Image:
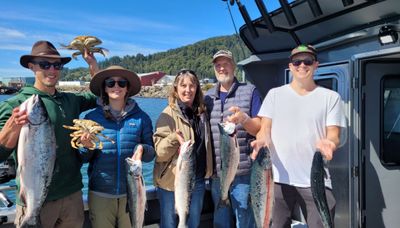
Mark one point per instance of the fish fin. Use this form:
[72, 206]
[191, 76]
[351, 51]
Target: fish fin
[22, 196]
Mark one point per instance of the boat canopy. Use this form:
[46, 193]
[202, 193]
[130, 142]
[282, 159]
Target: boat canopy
[315, 22]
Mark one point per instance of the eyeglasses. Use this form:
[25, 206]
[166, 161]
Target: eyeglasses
[185, 71]
[307, 62]
[45, 65]
[111, 83]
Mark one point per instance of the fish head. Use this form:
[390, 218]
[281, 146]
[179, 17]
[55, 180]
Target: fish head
[134, 167]
[35, 109]
[227, 128]
[185, 151]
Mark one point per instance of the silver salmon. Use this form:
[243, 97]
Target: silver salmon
[318, 189]
[136, 192]
[262, 188]
[36, 157]
[184, 181]
[230, 155]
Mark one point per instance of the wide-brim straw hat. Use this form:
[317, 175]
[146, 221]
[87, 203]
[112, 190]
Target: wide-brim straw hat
[96, 84]
[43, 49]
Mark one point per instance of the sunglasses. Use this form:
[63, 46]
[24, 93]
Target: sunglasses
[185, 71]
[45, 65]
[307, 62]
[111, 83]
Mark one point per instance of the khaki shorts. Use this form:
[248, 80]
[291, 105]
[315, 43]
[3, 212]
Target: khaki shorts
[66, 212]
[108, 212]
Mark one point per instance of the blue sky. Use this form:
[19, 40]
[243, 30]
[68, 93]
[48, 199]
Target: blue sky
[125, 27]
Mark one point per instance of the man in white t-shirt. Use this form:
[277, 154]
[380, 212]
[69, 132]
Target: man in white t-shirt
[297, 120]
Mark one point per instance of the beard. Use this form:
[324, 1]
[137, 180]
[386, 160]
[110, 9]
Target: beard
[225, 79]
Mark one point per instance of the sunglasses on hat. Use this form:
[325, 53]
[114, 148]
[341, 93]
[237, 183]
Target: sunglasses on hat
[45, 65]
[307, 62]
[111, 83]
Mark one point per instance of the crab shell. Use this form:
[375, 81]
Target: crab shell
[82, 126]
[81, 42]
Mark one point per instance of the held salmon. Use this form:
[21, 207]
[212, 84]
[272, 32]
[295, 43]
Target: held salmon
[136, 192]
[184, 181]
[262, 188]
[36, 157]
[230, 155]
[318, 189]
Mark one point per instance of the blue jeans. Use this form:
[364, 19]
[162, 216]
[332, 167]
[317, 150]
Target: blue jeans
[168, 216]
[240, 210]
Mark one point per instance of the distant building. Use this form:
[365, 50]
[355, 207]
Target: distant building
[17, 82]
[166, 80]
[71, 83]
[149, 79]
[207, 81]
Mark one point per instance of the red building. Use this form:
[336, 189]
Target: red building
[149, 79]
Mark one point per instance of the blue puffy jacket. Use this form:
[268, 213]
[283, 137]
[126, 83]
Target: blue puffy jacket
[106, 169]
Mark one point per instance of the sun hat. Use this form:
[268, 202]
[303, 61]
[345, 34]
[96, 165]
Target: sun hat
[43, 49]
[303, 48]
[96, 84]
[223, 53]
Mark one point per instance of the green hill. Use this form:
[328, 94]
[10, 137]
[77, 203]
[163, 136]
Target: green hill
[196, 57]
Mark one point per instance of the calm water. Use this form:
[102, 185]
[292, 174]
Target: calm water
[153, 107]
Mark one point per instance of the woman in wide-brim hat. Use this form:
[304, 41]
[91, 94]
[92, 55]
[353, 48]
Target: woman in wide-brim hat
[131, 130]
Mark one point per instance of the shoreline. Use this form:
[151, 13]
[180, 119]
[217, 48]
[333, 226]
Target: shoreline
[145, 91]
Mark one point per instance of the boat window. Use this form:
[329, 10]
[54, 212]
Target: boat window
[329, 83]
[390, 109]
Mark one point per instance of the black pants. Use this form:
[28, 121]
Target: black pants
[286, 198]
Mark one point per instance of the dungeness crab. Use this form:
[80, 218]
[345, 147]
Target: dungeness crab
[86, 126]
[81, 42]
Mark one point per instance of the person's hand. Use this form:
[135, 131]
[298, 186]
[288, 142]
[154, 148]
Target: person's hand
[238, 117]
[89, 57]
[9, 134]
[91, 60]
[19, 117]
[179, 136]
[326, 147]
[137, 155]
[257, 145]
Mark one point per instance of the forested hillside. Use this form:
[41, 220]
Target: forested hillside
[196, 57]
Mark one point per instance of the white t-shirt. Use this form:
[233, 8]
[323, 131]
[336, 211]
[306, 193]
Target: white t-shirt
[298, 122]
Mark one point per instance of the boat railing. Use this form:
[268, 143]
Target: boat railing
[152, 213]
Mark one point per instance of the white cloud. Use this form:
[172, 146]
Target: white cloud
[7, 33]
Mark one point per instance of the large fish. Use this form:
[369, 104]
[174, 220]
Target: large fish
[262, 188]
[36, 158]
[230, 156]
[136, 192]
[184, 181]
[318, 189]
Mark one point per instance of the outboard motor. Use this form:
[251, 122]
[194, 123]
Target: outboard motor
[7, 170]
[5, 200]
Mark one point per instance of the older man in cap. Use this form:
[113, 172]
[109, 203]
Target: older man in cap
[237, 102]
[63, 206]
[298, 119]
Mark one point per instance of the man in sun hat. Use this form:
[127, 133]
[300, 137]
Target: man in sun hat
[237, 102]
[298, 119]
[63, 206]
[131, 130]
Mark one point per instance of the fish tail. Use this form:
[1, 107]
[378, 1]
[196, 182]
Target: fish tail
[36, 223]
[224, 203]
